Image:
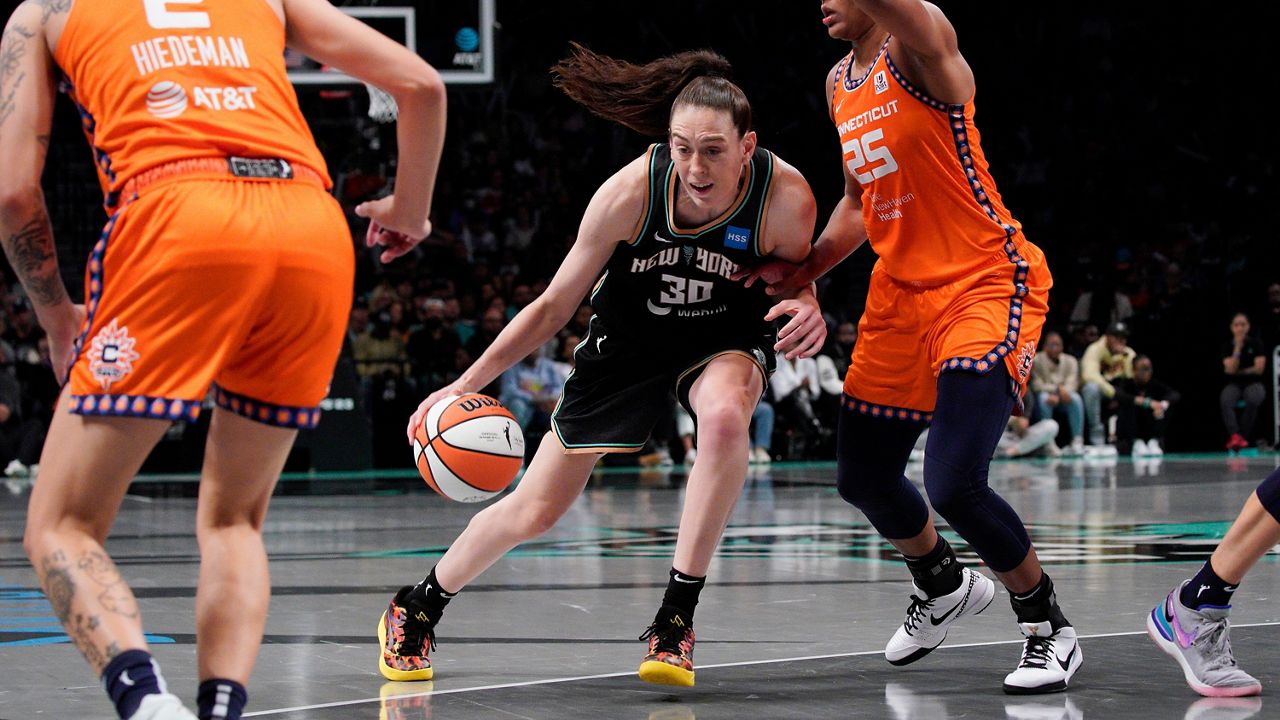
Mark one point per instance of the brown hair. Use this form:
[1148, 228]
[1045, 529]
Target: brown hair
[643, 97]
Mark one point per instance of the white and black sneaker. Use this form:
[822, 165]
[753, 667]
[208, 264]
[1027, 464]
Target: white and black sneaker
[1049, 659]
[928, 618]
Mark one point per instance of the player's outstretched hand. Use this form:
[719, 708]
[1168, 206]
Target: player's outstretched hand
[415, 421]
[396, 235]
[778, 275]
[62, 341]
[805, 333]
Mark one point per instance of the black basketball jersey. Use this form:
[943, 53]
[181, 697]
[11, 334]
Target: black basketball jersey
[676, 283]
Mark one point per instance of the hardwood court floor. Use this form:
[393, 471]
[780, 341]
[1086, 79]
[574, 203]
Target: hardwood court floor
[801, 599]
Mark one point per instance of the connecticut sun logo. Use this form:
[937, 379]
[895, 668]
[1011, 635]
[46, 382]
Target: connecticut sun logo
[111, 356]
[1026, 356]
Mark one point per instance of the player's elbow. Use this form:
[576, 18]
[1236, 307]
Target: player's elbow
[18, 200]
[421, 82]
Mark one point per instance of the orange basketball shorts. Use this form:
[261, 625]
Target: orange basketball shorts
[908, 335]
[241, 284]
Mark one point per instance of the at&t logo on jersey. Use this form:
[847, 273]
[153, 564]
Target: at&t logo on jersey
[166, 99]
[111, 355]
[737, 238]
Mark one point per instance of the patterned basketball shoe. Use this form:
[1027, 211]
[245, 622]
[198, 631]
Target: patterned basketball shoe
[928, 618]
[1200, 640]
[670, 658]
[405, 639]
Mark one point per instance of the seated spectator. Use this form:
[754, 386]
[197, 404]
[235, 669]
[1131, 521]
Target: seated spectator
[432, 347]
[762, 433]
[1104, 361]
[833, 363]
[796, 390]
[1055, 380]
[453, 320]
[491, 323]
[840, 348]
[1104, 305]
[1022, 437]
[566, 346]
[531, 389]
[1270, 322]
[1081, 338]
[377, 351]
[1243, 363]
[1144, 409]
[20, 437]
[24, 333]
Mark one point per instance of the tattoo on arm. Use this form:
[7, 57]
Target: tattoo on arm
[33, 256]
[49, 8]
[13, 45]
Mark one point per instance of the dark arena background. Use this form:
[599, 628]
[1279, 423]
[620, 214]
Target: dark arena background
[1129, 138]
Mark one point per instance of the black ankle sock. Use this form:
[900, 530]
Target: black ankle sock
[219, 699]
[1039, 604]
[938, 572]
[682, 593]
[129, 677]
[1206, 589]
[430, 597]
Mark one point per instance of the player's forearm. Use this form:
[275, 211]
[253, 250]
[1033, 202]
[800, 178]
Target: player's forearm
[420, 133]
[529, 329]
[843, 234]
[27, 237]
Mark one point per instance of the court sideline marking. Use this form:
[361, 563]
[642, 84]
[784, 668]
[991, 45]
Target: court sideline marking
[744, 663]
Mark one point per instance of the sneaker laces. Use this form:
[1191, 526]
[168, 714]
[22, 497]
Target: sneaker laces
[1217, 646]
[671, 638]
[423, 638]
[1036, 653]
[916, 612]
[418, 634]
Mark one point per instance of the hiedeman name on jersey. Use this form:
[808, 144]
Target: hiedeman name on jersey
[705, 260]
[194, 50]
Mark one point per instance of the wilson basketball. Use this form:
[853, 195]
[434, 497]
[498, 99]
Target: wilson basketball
[469, 447]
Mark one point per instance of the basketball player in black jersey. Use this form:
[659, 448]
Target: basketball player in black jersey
[656, 250]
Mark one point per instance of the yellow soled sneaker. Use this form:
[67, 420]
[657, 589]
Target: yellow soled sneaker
[670, 658]
[405, 639]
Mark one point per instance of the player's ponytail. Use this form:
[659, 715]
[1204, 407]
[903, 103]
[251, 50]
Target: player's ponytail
[642, 97]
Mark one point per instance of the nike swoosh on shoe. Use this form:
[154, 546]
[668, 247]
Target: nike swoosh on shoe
[963, 601]
[1066, 664]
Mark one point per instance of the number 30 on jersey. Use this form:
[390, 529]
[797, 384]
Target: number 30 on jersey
[866, 152]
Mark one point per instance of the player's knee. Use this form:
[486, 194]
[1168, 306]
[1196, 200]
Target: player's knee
[865, 486]
[534, 519]
[1269, 494]
[722, 420]
[212, 520]
[33, 543]
[948, 490]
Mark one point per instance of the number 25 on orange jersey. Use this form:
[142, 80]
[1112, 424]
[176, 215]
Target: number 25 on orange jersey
[864, 153]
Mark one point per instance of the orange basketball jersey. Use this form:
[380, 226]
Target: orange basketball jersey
[163, 80]
[930, 205]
